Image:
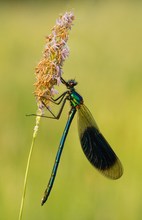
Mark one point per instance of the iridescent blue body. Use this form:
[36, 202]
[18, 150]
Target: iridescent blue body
[75, 99]
[94, 145]
[57, 159]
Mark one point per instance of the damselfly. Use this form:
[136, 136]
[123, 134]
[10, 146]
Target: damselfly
[93, 143]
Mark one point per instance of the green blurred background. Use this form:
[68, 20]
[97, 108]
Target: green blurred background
[106, 59]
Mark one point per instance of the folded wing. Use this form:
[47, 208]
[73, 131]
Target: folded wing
[95, 147]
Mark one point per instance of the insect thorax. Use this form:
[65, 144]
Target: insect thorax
[76, 99]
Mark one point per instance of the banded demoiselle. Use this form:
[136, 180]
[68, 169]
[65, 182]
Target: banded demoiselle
[94, 145]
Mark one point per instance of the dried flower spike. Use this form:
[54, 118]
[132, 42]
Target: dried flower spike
[49, 70]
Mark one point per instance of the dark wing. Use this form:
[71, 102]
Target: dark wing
[95, 146]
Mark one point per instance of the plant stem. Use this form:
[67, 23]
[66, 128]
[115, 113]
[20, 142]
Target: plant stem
[28, 164]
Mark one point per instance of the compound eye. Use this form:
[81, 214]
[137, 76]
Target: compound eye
[72, 83]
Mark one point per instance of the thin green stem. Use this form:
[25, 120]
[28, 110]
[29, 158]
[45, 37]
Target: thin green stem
[25, 180]
[28, 164]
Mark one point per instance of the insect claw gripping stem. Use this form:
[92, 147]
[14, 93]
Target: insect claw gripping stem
[60, 111]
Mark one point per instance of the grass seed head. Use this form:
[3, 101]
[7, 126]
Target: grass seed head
[49, 70]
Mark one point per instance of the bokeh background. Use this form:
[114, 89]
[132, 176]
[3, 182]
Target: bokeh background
[106, 59]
